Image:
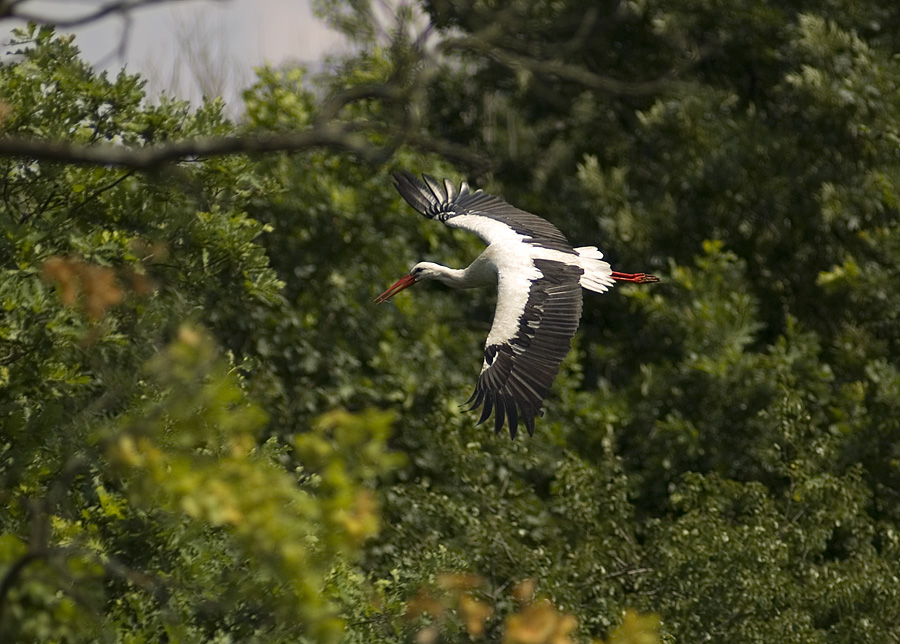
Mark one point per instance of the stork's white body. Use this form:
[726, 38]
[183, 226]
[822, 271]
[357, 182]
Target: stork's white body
[539, 277]
[512, 262]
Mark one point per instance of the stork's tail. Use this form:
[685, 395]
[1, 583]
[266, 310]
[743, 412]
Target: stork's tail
[597, 273]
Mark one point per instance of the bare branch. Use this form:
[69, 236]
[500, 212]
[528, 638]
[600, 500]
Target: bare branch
[150, 158]
[451, 151]
[12, 575]
[572, 73]
[387, 91]
[15, 9]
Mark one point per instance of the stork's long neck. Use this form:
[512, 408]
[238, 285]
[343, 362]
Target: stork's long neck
[481, 272]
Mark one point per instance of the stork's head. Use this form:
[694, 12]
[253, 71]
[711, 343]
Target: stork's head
[418, 273]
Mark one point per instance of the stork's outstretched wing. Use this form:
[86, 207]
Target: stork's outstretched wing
[487, 216]
[522, 357]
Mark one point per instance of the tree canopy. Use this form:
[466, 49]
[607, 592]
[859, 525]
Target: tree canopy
[208, 432]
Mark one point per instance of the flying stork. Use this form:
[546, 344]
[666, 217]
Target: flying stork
[539, 278]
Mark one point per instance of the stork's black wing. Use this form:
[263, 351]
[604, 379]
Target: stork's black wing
[446, 203]
[519, 371]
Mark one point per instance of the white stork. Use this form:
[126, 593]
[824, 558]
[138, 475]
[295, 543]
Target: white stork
[539, 278]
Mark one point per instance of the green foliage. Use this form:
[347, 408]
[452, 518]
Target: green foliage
[745, 399]
[191, 367]
[140, 502]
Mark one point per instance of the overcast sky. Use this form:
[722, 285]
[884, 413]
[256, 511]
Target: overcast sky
[244, 34]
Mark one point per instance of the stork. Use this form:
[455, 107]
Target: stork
[539, 277]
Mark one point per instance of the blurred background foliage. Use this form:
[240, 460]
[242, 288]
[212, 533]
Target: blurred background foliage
[209, 434]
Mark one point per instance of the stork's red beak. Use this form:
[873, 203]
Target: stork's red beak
[402, 284]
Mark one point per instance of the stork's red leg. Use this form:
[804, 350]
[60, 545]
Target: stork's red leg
[636, 278]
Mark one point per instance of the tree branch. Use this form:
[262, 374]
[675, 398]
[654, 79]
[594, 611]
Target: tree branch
[11, 9]
[9, 579]
[150, 158]
[564, 71]
[388, 91]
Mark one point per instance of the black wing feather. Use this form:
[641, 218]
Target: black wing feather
[499, 410]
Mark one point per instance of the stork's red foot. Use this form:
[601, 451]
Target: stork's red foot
[634, 278]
